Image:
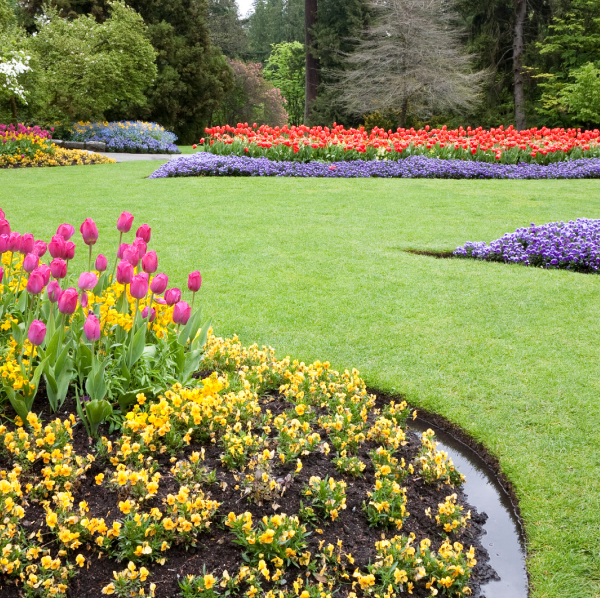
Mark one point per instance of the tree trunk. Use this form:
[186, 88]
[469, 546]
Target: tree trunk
[312, 64]
[403, 112]
[13, 105]
[518, 51]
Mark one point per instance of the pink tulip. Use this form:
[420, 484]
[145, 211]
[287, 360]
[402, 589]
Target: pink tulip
[87, 281]
[101, 263]
[140, 246]
[27, 242]
[182, 312]
[159, 284]
[35, 283]
[124, 222]
[66, 231]
[2, 214]
[83, 299]
[56, 247]
[4, 227]
[131, 255]
[1, 273]
[152, 314]
[40, 248]
[37, 333]
[144, 233]
[58, 268]
[194, 281]
[54, 291]
[67, 302]
[172, 296]
[69, 250]
[91, 328]
[89, 231]
[124, 272]
[150, 262]
[121, 250]
[45, 272]
[160, 301]
[14, 242]
[139, 286]
[31, 262]
[3, 243]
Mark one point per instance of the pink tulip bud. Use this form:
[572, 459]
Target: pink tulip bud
[56, 247]
[152, 314]
[124, 272]
[40, 248]
[131, 255]
[83, 299]
[69, 250]
[87, 281]
[27, 242]
[35, 283]
[144, 233]
[58, 268]
[14, 242]
[194, 281]
[31, 262]
[45, 272]
[160, 301]
[159, 284]
[89, 231]
[37, 333]
[150, 262]
[140, 246]
[54, 291]
[3, 243]
[124, 222]
[182, 312]
[101, 263]
[4, 227]
[67, 302]
[66, 231]
[139, 286]
[172, 296]
[91, 328]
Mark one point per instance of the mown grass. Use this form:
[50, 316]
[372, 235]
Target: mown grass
[318, 269]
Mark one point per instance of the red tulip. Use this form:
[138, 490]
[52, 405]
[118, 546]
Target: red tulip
[144, 233]
[69, 250]
[4, 227]
[101, 263]
[56, 247]
[67, 302]
[152, 314]
[58, 268]
[89, 231]
[87, 281]
[54, 291]
[66, 231]
[91, 328]
[139, 286]
[124, 222]
[194, 281]
[131, 254]
[181, 312]
[40, 248]
[150, 262]
[31, 262]
[159, 284]
[35, 283]
[37, 332]
[27, 242]
[124, 272]
[172, 296]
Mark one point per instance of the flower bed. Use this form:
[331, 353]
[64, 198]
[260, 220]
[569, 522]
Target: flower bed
[206, 164]
[506, 146]
[574, 245]
[222, 469]
[128, 136]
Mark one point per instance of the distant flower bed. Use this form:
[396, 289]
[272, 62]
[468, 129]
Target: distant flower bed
[206, 164]
[574, 245]
[500, 145]
[128, 136]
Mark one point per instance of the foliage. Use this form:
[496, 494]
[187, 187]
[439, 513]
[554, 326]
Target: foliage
[226, 28]
[87, 69]
[285, 70]
[252, 99]
[326, 496]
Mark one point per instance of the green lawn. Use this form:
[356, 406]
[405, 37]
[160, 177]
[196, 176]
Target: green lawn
[317, 269]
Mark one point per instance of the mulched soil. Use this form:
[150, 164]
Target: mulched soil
[438, 254]
[216, 550]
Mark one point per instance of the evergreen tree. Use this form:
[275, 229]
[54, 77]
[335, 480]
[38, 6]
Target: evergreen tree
[226, 28]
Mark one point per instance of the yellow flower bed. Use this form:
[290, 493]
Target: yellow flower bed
[59, 157]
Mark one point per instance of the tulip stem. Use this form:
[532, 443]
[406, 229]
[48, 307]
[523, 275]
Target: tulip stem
[150, 310]
[193, 299]
[116, 259]
[19, 283]
[90, 260]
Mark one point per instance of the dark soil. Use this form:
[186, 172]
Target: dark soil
[216, 550]
[438, 254]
